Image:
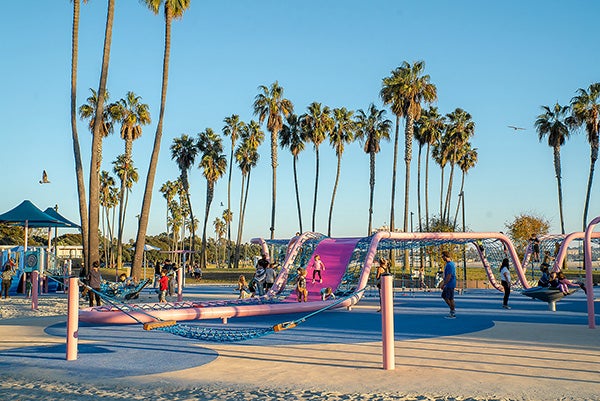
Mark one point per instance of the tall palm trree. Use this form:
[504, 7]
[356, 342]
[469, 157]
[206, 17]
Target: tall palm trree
[292, 137]
[316, 124]
[552, 122]
[405, 91]
[270, 105]
[371, 128]
[585, 109]
[173, 9]
[232, 128]
[341, 133]
[83, 211]
[184, 151]
[214, 166]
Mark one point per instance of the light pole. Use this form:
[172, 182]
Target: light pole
[411, 248]
[462, 199]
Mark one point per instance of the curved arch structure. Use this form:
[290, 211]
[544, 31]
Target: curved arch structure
[589, 281]
[338, 253]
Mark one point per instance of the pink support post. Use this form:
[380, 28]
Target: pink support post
[72, 319]
[35, 284]
[589, 270]
[387, 322]
[179, 284]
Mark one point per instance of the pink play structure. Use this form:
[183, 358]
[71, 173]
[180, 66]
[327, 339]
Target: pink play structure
[335, 254]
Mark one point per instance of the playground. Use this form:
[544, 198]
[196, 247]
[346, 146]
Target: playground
[487, 353]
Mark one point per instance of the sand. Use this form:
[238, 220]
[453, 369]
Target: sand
[508, 361]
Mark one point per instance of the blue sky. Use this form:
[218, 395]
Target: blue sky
[500, 61]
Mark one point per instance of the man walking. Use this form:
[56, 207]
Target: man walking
[449, 283]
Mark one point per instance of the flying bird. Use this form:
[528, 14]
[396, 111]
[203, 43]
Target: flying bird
[516, 128]
[44, 179]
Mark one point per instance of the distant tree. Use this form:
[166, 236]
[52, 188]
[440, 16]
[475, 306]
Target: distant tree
[552, 122]
[523, 226]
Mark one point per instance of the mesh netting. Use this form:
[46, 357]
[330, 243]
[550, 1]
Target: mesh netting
[219, 335]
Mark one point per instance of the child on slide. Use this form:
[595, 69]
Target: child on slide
[318, 266]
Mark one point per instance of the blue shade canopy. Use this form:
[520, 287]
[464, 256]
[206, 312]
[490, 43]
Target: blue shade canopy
[66, 223]
[28, 213]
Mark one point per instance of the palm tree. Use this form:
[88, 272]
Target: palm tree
[371, 128]
[440, 155]
[132, 114]
[405, 90]
[184, 151]
[552, 123]
[228, 218]
[247, 157]
[97, 135]
[467, 161]
[292, 137]
[174, 9]
[341, 133]
[316, 124]
[214, 165]
[108, 199]
[220, 230]
[459, 129]
[169, 190]
[586, 111]
[87, 111]
[83, 214]
[428, 130]
[232, 128]
[128, 175]
[270, 104]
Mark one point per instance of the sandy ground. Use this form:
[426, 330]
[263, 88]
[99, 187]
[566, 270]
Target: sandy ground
[508, 361]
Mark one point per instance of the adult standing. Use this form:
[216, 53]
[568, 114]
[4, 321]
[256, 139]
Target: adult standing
[505, 280]
[270, 275]
[95, 281]
[449, 283]
[7, 277]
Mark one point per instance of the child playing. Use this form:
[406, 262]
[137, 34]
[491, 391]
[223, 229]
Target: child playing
[242, 287]
[301, 285]
[28, 286]
[163, 286]
[564, 283]
[318, 266]
[327, 293]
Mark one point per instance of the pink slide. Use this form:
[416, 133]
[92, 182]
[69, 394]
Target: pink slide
[335, 254]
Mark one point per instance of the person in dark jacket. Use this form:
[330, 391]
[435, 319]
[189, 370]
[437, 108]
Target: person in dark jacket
[95, 281]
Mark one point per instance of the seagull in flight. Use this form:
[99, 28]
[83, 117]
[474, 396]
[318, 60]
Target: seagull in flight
[516, 128]
[44, 179]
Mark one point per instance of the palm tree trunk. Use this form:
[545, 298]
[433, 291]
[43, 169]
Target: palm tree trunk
[314, 211]
[442, 194]
[371, 190]
[210, 188]
[94, 206]
[238, 242]
[229, 206]
[449, 194]
[83, 216]
[145, 213]
[407, 159]
[427, 189]
[297, 194]
[419, 187]
[593, 158]
[460, 199]
[243, 214]
[274, 192]
[394, 170]
[557, 169]
[121, 221]
[337, 179]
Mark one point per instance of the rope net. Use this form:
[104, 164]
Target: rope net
[218, 335]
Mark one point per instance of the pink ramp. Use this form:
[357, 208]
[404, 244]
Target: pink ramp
[335, 254]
